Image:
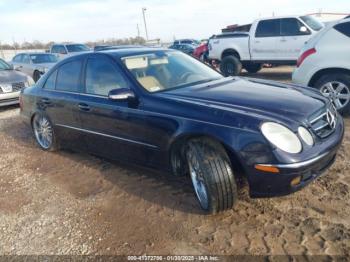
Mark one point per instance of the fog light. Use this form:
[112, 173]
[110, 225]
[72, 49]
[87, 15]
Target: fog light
[296, 181]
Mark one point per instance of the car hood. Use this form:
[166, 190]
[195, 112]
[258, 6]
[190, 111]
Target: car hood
[252, 95]
[12, 76]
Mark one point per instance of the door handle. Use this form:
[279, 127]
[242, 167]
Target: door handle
[283, 40]
[45, 101]
[84, 107]
[257, 41]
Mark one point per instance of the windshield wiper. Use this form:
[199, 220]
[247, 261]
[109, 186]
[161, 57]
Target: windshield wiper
[197, 82]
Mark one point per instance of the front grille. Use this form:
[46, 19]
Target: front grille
[17, 86]
[324, 123]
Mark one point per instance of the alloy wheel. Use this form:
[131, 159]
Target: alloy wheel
[198, 182]
[338, 92]
[43, 131]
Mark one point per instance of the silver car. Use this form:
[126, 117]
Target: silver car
[11, 84]
[34, 64]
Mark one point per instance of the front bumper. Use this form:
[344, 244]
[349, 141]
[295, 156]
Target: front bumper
[7, 99]
[263, 184]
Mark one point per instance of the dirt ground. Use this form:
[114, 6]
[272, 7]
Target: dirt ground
[73, 203]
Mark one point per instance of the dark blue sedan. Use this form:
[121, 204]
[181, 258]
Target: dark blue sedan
[163, 109]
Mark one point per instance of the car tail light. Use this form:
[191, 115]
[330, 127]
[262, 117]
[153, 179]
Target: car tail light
[305, 55]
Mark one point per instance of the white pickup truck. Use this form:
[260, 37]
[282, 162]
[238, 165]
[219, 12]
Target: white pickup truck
[276, 40]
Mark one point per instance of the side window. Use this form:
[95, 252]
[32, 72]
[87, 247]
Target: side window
[51, 81]
[102, 77]
[268, 28]
[292, 27]
[61, 49]
[68, 76]
[343, 28]
[26, 59]
[18, 58]
[54, 49]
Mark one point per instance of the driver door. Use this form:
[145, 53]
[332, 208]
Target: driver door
[115, 129]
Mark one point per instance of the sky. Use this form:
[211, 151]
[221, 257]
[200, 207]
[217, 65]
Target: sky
[90, 20]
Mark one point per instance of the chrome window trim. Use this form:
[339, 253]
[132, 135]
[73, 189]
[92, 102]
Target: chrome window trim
[106, 135]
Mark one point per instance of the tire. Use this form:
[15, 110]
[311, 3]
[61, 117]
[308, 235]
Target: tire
[212, 176]
[230, 66]
[253, 68]
[337, 87]
[46, 138]
[36, 76]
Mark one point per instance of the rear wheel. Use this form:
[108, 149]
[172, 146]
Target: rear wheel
[44, 133]
[252, 68]
[230, 66]
[211, 174]
[337, 88]
[36, 76]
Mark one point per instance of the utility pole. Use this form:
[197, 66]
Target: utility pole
[144, 21]
[138, 30]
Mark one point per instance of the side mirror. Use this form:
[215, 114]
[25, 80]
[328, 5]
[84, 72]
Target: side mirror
[304, 30]
[121, 94]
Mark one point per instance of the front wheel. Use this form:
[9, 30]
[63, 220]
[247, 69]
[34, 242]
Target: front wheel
[44, 132]
[211, 174]
[337, 88]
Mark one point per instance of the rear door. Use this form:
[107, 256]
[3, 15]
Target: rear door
[294, 35]
[60, 101]
[263, 44]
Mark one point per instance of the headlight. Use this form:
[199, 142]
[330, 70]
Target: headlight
[306, 136]
[281, 137]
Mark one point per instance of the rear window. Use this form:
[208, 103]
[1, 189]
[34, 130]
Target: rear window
[77, 48]
[268, 28]
[68, 77]
[343, 28]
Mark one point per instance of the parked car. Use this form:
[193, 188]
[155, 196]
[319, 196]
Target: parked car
[65, 50]
[165, 109]
[186, 48]
[11, 83]
[34, 64]
[201, 52]
[276, 40]
[186, 41]
[110, 47]
[324, 64]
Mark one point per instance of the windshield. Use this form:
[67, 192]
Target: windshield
[77, 48]
[312, 22]
[164, 70]
[43, 58]
[4, 65]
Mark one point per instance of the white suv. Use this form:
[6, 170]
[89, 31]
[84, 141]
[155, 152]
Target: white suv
[324, 64]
